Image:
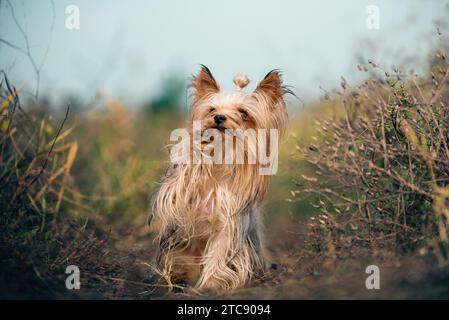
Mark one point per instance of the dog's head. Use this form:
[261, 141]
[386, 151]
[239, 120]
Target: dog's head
[264, 108]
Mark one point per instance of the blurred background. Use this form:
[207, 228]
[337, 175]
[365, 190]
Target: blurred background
[124, 67]
[133, 51]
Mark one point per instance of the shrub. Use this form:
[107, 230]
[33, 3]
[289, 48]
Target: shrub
[381, 165]
[38, 237]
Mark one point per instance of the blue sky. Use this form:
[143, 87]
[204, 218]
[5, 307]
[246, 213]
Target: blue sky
[126, 48]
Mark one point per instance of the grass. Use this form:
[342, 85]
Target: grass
[380, 166]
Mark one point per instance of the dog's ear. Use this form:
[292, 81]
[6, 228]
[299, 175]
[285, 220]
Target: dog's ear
[204, 83]
[271, 87]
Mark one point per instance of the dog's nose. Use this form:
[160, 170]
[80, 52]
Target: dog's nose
[219, 118]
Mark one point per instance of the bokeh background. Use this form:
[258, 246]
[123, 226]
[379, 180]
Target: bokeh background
[125, 74]
[132, 50]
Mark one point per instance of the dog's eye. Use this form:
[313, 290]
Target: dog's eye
[244, 114]
[212, 109]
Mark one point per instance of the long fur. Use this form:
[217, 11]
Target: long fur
[210, 233]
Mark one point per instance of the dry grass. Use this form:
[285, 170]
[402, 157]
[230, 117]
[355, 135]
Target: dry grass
[381, 166]
[38, 238]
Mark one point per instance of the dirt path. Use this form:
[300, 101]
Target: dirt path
[293, 274]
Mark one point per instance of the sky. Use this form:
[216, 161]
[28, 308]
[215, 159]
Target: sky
[128, 48]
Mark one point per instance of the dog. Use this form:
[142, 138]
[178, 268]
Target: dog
[208, 218]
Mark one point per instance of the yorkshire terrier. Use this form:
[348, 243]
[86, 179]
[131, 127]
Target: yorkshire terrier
[207, 211]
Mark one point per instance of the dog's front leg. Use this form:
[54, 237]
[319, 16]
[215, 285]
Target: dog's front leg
[227, 260]
[216, 274]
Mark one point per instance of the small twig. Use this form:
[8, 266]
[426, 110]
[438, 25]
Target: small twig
[27, 50]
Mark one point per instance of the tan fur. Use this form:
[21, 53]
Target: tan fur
[207, 214]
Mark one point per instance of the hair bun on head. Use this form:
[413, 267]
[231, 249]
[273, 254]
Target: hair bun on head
[240, 81]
